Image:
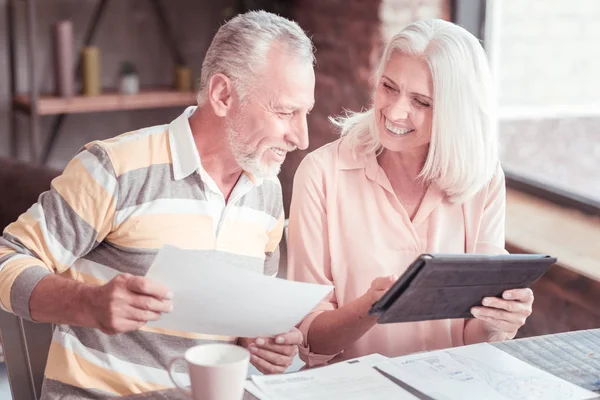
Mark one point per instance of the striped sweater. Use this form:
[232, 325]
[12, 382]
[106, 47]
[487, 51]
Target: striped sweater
[115, 205]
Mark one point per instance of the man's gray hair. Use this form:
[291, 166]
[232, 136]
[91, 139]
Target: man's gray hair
[239, 49]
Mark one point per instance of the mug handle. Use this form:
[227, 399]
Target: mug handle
[174, 378]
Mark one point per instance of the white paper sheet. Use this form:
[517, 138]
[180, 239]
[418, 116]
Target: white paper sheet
[371, 359]
[214, 298]
[368, 360]
[251, 388]
[342, 381]
[479, 372]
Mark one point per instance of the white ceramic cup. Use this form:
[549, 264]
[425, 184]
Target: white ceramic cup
[217, 371]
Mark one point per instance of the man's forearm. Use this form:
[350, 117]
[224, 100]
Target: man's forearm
[60, 300]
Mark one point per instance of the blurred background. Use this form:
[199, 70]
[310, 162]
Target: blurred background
[544, 56]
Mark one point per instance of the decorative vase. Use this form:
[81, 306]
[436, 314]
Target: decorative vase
[129, 81]
[129, 84]
[91, 71]
[183, 78]
[63, 58]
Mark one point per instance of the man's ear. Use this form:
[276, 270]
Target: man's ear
[220, 94]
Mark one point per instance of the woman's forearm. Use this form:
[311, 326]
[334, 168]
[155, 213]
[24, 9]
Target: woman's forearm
[476, 331]
[333, 331]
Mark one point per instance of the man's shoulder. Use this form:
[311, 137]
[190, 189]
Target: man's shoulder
[136, 149]
[136, 137]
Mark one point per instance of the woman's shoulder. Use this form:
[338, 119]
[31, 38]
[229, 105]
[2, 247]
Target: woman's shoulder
[320, 167]
[496, 183]
[329, 151]
[493, 189]
[326, 157]
[339, 154]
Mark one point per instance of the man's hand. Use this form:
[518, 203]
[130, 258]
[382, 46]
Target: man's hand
[127, 302]
[273, 355]
[502, 318]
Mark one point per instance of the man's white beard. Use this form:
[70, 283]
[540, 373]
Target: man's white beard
[250, 162]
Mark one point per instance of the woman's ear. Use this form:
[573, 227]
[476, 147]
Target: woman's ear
[220, 94]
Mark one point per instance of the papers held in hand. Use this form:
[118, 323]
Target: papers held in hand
[438, 286]
[211, 296]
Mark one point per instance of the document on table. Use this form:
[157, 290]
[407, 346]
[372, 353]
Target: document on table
[479, 372]
[216, 298]
[251, 388]
[371, 360]
[368, 360]
[341, 381]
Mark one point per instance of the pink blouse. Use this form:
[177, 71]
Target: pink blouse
[347, 227]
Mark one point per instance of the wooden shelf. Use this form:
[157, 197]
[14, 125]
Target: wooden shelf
[534, 225]
[110, 101]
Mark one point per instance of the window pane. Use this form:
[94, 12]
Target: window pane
[548, 72]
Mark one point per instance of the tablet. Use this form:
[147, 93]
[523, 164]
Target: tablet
[442, 286]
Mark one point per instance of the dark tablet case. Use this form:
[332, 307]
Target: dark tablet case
[438, 286]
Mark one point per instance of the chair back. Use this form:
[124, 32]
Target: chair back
[26, 346]
[25, 343]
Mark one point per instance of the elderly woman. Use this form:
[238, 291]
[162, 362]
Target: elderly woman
[417, 173]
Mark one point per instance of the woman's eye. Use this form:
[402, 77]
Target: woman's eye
[422, 103]
[388, 87]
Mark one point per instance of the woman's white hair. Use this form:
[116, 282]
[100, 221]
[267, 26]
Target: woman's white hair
[463, 153]
[239, 49]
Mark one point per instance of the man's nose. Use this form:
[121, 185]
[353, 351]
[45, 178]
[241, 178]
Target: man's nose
[300, 134]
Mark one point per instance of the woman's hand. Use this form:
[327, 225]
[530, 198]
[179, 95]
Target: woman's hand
[333, 331]
[501, 318]
[378, 288]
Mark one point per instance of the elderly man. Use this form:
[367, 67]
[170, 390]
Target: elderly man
[206, 181]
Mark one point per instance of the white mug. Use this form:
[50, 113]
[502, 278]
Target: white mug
[217, 371]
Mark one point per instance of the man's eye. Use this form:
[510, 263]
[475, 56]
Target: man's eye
[285, 114]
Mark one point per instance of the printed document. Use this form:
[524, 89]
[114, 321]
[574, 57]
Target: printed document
[477, 372]
[341, 381]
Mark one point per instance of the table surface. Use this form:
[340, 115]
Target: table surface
[573, 356]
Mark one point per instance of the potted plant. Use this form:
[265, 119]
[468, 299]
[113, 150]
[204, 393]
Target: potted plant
[129, 81]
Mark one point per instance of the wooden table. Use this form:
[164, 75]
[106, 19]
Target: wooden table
[573, 356]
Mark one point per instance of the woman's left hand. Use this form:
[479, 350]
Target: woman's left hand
[502, 317]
